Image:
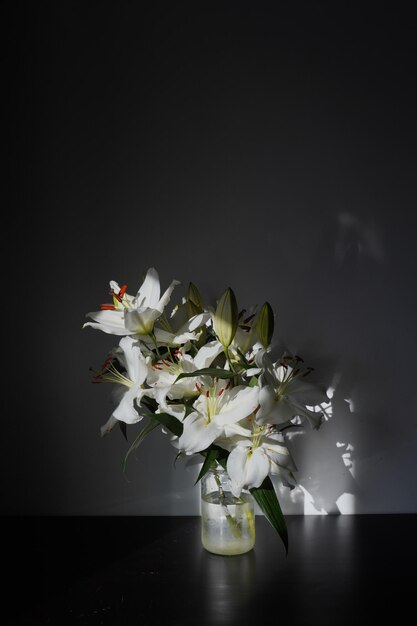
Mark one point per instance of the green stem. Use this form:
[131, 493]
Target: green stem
[220, 488]
[226, 351]
[152, 336]
[233, 524]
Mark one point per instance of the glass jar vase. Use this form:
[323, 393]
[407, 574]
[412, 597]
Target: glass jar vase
[227, 522]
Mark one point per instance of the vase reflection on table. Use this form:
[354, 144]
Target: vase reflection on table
[227, 521]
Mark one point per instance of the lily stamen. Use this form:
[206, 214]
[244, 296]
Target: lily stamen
[308, 371]
[248, 319]
[122, 291]
[106, 364]
[110, 374]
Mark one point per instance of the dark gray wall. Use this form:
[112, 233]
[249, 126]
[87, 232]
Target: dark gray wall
[267, 147]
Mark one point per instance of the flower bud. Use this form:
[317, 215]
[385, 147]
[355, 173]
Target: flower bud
[226, 318]
[194, 296]
[192, 309]
[265, 324]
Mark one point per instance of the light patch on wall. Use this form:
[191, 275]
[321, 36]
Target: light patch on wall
[347, 456]
[346, 503]
[309, 506]
[350, 402]
[325, 408]
[330, 391]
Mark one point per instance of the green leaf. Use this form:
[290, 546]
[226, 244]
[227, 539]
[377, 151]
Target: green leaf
[267, 500]
[210, 455]
[222, 455]
[244, 359]
[141, 436]
[170, 422]
[223, 461]
[215, 372]
[253, 381]
[149, 403]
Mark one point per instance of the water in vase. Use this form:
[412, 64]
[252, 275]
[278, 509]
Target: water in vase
[227, 523]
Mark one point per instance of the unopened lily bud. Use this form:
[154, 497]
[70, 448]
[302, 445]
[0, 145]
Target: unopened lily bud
[265, 325]
[226, 318]
[194, 296]
[192, 309]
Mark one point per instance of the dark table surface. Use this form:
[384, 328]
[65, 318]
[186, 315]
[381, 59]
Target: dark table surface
[153, 570]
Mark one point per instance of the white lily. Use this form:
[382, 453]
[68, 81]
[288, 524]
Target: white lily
[245, 340]
[245, 336]
[131, 389]
[284, 393]
[133, 315]
[253, 457]
[163, 374]
[179, 329]
[216, 407]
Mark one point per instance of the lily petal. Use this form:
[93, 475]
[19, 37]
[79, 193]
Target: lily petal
[236, 468]
[134, 360]
[109, 329]
[111, 322]
[149, 292]
[114, 318]
[141, 321]
[108, 426]
[198, 434]
[196, 321]
[282, 411]
[241, 402]
[166, 338]
[166, 296]
[307, 393]
[236, 429]
[207, 354]
[263, 361]
[126, 411]
[266, 403]
[257, 468]
[176, 410]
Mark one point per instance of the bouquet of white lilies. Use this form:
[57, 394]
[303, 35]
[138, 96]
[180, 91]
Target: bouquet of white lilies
[205, 375]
